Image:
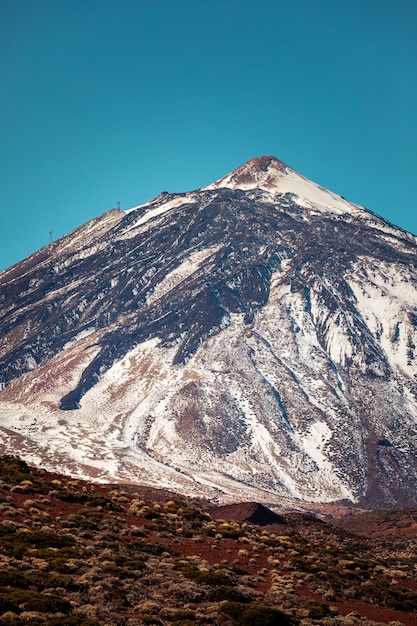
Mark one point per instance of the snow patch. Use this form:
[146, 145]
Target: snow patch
[190, 265]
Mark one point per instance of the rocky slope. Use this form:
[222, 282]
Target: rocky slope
[257, 335]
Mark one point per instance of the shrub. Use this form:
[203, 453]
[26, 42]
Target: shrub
[47, 539]
[12, 578]
[115, 595]
[31, 600]
[188, 513]
[149, 547]
[7, 605]
[6, 529]
[87, 520]
[393, 596]
[48, 604]
[255, 614]
[226, 592]
[14, 469]
[148, 513]
[118, 572]
[212, 579]
[230, 532]
[92, 499]
[183, 614]
[44, 580]
[317, 610]
[16, 544]
[71, 620]
[133, 564]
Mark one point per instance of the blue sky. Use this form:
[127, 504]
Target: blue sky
[107, 101]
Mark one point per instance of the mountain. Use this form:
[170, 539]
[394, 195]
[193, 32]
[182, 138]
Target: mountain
[254, 339]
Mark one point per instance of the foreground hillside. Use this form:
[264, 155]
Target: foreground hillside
[78, 554]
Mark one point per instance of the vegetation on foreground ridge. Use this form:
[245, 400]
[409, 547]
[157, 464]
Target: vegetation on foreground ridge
[74, 553]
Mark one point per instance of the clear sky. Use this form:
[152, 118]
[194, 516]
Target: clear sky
[106, 101]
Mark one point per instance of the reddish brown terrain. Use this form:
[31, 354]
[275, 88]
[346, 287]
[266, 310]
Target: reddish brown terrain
[80, 554]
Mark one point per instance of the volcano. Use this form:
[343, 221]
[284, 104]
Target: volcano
[254, 339]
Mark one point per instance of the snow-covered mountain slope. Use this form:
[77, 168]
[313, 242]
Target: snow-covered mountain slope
[252, 339]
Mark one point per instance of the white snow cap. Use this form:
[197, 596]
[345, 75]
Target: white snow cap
[275, 177]
[265, 172]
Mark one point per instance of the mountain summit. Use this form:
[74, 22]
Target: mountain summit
[264, 172]
[254, 338]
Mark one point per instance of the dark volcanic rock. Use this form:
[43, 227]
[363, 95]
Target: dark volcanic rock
[247, 512]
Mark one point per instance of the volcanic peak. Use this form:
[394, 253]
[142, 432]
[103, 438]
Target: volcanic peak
[264, 172]
[263, 164]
